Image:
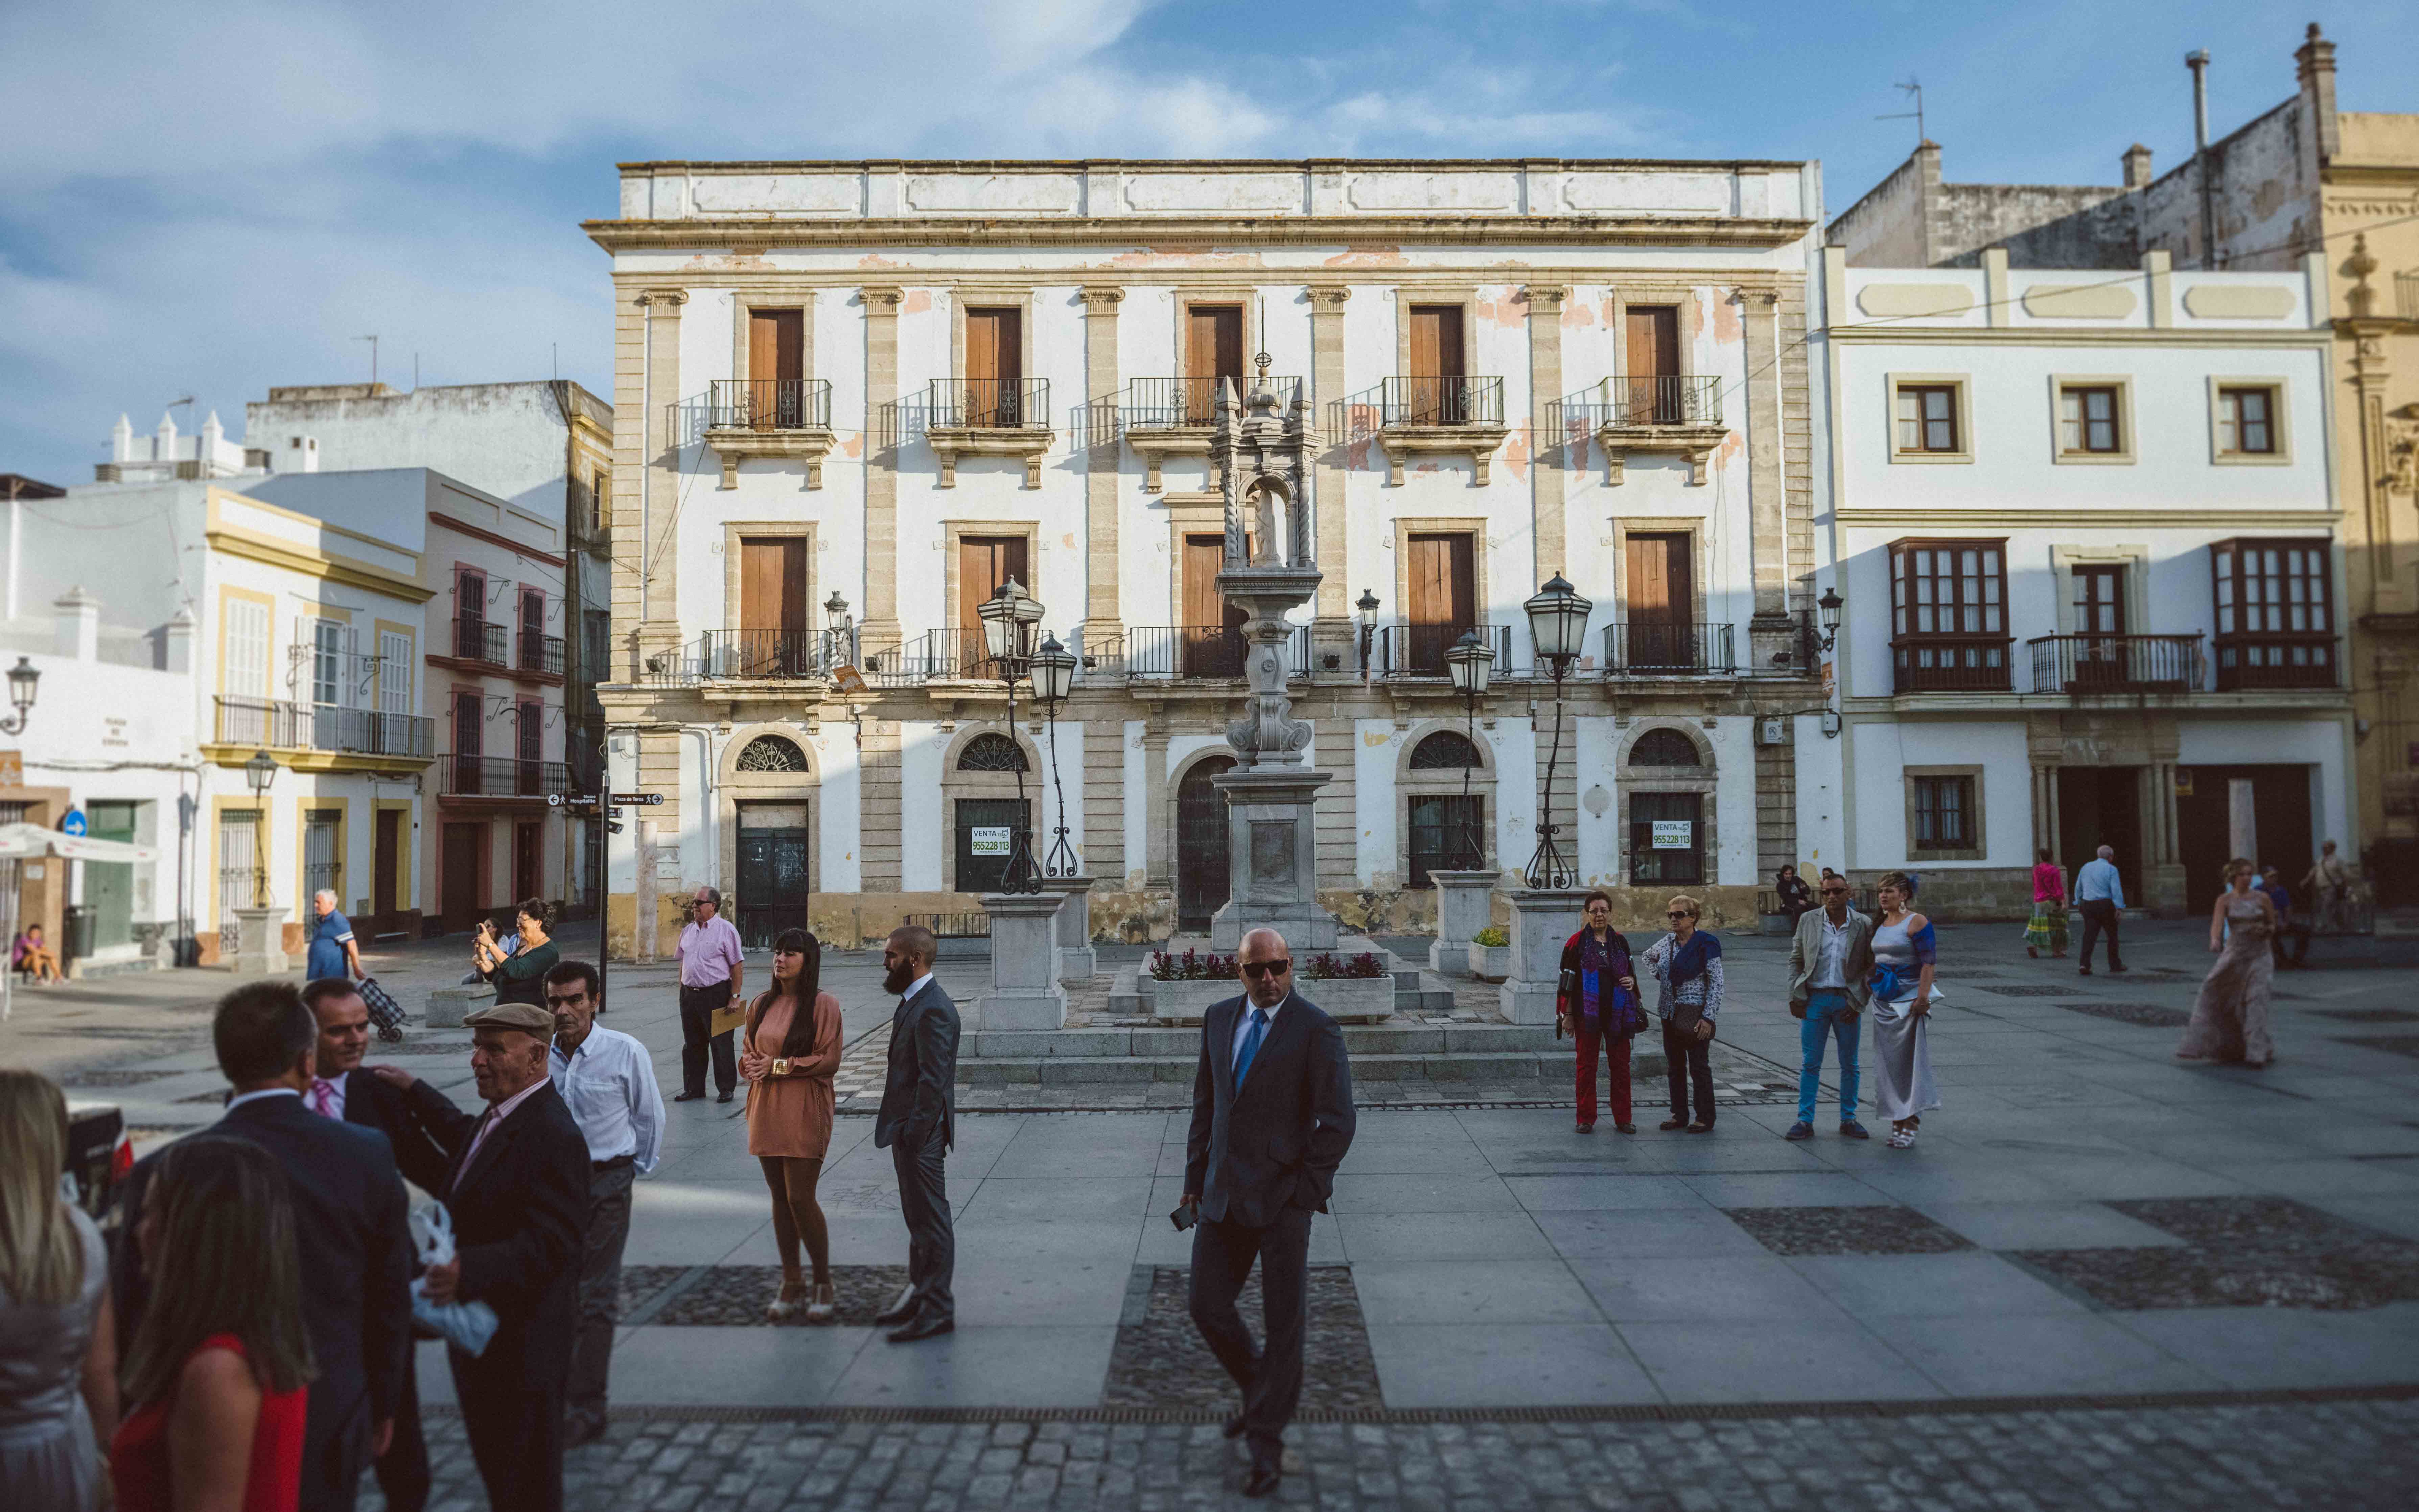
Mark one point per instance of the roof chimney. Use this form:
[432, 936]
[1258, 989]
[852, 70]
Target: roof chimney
[2313, 68]
[79, 625]
[2137, 166]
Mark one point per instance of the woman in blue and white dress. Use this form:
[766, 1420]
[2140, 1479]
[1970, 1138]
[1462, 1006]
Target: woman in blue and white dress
[1903, 953]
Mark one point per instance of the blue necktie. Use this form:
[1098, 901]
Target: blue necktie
[1252, 1038]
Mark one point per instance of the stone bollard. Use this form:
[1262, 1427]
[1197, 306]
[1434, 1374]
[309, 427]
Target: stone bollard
[447, 1005]
[1465, 900]
[1077, 960]
[260, 943]
[1543, 920]
[1025, 991]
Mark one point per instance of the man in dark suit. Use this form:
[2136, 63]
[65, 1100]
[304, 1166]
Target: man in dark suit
[351, 1237]
[915, 1124]
[517, 1189]
[1272, 1119]
[342, 1089]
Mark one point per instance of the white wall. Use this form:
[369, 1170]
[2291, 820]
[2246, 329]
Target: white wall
[1881, 751]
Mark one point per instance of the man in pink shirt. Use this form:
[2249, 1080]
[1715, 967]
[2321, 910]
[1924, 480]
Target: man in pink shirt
[710, 968]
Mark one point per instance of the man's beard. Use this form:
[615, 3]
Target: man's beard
[899, 978]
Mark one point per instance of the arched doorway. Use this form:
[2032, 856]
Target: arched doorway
[1200, 844]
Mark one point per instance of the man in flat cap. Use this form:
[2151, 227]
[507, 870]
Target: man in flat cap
[516, 1186]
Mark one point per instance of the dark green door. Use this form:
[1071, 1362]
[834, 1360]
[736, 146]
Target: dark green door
[986, 830]
[774, 871]
[109, 886]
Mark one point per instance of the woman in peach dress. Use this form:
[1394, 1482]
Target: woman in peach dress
[788, 1056]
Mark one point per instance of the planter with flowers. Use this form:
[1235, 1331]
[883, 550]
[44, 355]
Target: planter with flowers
[1490, 954]
[1355, 989]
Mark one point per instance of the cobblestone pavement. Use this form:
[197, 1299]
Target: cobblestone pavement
[2344, 1454]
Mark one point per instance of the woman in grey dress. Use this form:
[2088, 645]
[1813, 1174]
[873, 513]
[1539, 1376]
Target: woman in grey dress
[2230, 1018]
[1904, 952]
[58, 1359]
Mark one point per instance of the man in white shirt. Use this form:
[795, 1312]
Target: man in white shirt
[1830, 962]
[2098, 894]
[609, 1082]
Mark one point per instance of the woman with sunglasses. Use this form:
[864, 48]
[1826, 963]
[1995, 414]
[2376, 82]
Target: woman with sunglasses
[1597, 1000]
[791, 1049]
[1687, 967]
[1904, 950]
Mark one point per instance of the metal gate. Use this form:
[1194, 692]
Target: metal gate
[986, 833]
[772, 884]
[1201, 877]
[238, 853]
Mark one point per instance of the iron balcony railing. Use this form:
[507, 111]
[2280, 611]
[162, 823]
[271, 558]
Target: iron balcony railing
[1161, 403]
[2089, 664]
[1415, 400]
[2252, 661]
[322, 727]
[1654, 649]
[503, 777]
[988, 404]
[1953, 664]
[768, 403]
[961, 655]
[541, 652]
[1418, 650]
[774, 653]
[1669, 400]
[476, 639]
[1209, 651]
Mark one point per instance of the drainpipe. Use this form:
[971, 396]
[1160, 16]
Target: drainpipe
[2197, 60]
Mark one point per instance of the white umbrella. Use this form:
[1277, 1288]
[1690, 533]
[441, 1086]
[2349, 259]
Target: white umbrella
[23, 841]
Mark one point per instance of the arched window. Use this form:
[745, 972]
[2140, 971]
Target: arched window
[991, 753]
[772, 753]
[1663, 747]
[1446, 750]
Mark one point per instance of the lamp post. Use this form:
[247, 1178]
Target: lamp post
[1053, 682]
[1557, 618]
[258, 773]
[1008, 617]
[1365, 609]
[836, 610]
[1468, 663]
[21, 679]
[1830, 604]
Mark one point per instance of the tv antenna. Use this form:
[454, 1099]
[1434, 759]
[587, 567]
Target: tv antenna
[373, 341]
[1914, 87]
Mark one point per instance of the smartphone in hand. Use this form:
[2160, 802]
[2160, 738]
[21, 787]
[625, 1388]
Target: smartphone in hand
[1185, 1216]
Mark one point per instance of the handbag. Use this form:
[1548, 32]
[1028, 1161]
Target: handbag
[1629, 1013]
[384, 1011]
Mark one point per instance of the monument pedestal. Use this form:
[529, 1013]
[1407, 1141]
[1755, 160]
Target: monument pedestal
[1272, 840]
[1543, 920]
[260, 943]
[1077, 960]
[1025, 991]
[1465, 901]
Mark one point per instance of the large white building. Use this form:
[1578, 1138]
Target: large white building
[2087, 534]
[897, 385]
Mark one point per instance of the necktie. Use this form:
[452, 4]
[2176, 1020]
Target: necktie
[323, 1097]
[1252, 1038]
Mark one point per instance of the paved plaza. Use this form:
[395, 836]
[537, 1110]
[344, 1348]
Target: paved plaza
[2101, 1278]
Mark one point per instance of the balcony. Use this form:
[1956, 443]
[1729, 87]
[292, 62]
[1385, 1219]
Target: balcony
[1414, 651]
[1677, 415]
[2258, 661]
[2087, 666]
[1419, 416]
[1677, 650]
[476, 639]
[321, 738]
[988, 417]
[1953, 664]
[1183, 652]
[503, 776]
[777, 655]
[540, 654]
[1173, 416]
[788, 418]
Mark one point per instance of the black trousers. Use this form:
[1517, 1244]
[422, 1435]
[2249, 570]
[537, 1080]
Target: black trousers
[1686, 1061]
[1269, 1374]
[335, 1451]
[2296, 931]
[698, 1007]
[516, 1431]
[2099, 914]
[932, 1242]
[600, 1293]
[403, 1472]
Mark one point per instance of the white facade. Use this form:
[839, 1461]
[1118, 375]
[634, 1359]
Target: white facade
[2096, 482]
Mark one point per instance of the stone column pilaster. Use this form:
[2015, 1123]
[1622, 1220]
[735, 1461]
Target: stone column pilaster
[1546, 471]
[1104, 625]
[880, 630]
[1157, 859]
[1767, 519]
[1332, 625]
[658, 564]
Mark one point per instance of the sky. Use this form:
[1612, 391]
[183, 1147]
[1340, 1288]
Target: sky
[206, 200]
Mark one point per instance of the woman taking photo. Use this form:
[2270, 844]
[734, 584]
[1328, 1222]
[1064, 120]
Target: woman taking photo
[520, 976]
[58, 1355]
[1904, 952]
[216, 1371]
[1595, 1001]
[2047, 930]
[1687, 967]
[787, 1056]
[2230, 1019]
[1795, 897]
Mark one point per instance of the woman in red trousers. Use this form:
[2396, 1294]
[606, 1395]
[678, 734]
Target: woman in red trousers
[1595, 962]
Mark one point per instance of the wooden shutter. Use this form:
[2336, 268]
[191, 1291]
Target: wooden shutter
[995, 344]
[468, 725]
[1434, 396]
[776, 344]
[531, 731]
[1653, 345]
[1662, 590]
[1204, 555]
[1213, 349]
[773, 583]
[247, 648]
[1443, 581]
[984, 563]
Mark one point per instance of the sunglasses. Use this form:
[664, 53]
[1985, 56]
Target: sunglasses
[1679, 913]
[1829, 892]
[1258, 969]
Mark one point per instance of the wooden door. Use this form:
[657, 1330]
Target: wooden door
[1437, 396]
[1680, 860]
[463, 860]
[1210, 641]
[986, 835]
[1213, 349]
[528, 869]
[386, 859]
[529, 729]
[1447, 835]
[995, 366]
[2100, 622]
[984, 563]
[1661, 633]
[777, 359]
[774, 616]
[1444, 599]
[532, 648]
[471, 615]
[1654, 357]
[1201, 879]
[469, 734]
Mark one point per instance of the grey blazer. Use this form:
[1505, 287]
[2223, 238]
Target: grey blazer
[1806, 949]
[917, 1095]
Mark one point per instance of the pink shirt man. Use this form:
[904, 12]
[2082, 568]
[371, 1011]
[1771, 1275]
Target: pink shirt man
[709, 952]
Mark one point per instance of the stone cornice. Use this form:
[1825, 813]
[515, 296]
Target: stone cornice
[1492, 230]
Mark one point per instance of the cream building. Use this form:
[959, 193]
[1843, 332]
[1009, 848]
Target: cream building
[851, 398]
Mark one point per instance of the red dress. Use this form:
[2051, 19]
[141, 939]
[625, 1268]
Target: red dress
[138, 1455]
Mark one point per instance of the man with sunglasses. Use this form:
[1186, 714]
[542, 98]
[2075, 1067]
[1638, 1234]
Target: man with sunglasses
[1272, 1119]
[1830, 962]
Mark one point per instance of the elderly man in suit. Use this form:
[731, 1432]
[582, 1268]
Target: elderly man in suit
[351, 1232]
[917, 1125]
[1272, 1119]
[1830, 967]
[517, 1189]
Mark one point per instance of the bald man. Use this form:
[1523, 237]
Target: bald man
[1272, 1119]
[917, 1123]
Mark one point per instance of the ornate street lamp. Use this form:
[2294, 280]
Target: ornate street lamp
[1830, 604]
[21, 679]
[842, 647]
[1054, 683]
[1008, 617]
[1468, 663]
[1558, 619]
[258, 773]
[1365, 609]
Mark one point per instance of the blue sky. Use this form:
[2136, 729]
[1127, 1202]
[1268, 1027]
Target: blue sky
[208, 200]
